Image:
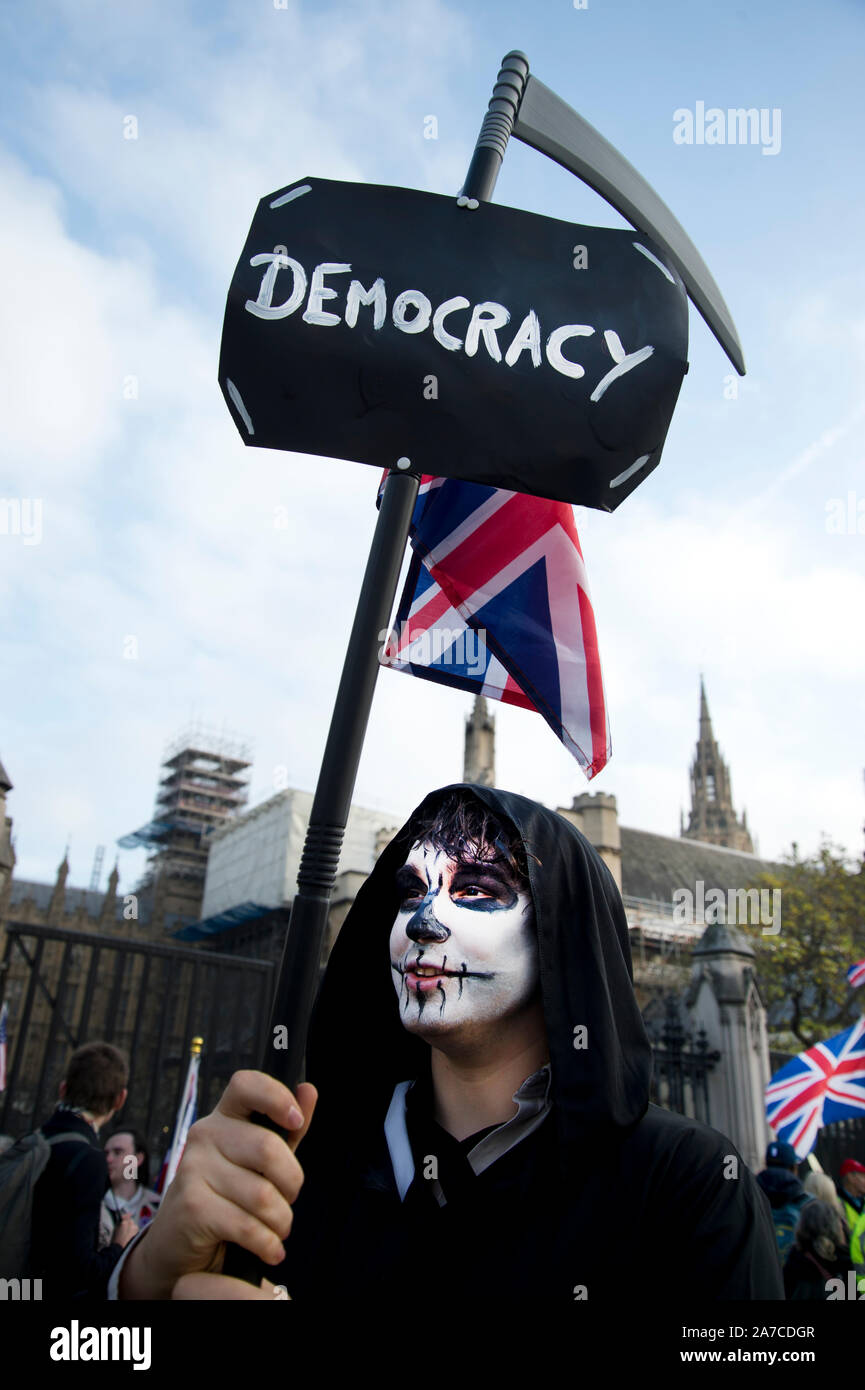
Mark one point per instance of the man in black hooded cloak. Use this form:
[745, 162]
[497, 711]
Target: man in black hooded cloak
[483, 1072]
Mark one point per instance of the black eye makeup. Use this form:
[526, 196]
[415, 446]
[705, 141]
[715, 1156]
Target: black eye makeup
[482, 888]
[409, 885]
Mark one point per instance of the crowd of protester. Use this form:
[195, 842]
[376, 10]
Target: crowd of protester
[69, 1202]
[819, 1227]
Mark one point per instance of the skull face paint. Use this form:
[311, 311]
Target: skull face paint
[462, 947]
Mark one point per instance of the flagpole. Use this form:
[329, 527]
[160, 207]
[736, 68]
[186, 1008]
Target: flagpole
[178, 1139]
[297, 981]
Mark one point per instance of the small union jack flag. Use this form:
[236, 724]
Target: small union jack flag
[820, 1086]
[856, 974]
[497, 602]
[186, 1116]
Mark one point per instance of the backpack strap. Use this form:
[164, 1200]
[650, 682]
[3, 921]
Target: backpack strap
[808, 1256]
[68, 1136]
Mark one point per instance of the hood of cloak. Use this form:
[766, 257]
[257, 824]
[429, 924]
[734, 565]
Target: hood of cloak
[358, 1049]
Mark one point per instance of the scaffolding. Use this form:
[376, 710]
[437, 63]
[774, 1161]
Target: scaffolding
[660, 946]
[204, 782]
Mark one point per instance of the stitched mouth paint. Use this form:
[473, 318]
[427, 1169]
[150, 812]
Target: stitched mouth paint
[462, 945]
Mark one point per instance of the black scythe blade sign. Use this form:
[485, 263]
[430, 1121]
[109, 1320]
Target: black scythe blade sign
[508, 349]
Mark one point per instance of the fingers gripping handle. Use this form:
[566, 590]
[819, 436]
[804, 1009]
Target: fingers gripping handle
[240, 1263]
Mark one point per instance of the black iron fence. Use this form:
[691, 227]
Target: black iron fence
[682, 1063]
[65, 988]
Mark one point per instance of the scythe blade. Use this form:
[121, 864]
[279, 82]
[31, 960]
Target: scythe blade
[549, 125]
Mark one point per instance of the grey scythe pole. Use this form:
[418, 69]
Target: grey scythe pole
[297, 981]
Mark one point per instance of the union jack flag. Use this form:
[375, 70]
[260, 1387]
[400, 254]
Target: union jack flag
[496, 602]
[856, 974]
[820, 1086]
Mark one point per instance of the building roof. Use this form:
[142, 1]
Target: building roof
[5, 784]
[655, 866]
[40, 894]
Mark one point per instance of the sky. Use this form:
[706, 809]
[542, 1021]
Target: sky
[154, 572]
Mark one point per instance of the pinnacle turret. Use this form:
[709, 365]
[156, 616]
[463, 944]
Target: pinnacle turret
[713, 818]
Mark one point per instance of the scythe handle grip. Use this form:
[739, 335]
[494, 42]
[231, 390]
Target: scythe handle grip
[496, 127]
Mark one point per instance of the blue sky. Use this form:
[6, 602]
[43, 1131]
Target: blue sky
[157, 524]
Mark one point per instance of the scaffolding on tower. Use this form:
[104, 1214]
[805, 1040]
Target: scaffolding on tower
[204, 782]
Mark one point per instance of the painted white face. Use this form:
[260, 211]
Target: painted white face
[463, 947]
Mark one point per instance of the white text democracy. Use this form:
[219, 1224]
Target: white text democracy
[412, 312]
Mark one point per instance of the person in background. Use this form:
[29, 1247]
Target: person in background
[851, 1194]
[128, 1174]
[780, 1182]
[821, 1185]
[67, 1197]
[819, 1253]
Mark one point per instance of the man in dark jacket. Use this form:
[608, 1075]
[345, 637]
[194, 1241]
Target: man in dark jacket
[780, 1182]
[67, 1198]
[484, 1125]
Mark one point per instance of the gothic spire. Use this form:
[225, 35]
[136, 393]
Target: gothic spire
[713, 818]
[479, 764]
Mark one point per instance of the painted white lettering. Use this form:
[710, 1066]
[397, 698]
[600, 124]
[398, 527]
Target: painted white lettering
[440, 333]
[625, 362]
[555, 356]
[357, 295]
[416, 300]
[527, 336]
[485, 320]
[318, 291]
[263, 307]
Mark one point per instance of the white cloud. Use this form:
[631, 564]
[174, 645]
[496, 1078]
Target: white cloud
[219, 124]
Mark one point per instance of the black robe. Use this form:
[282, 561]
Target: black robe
[610, 1198]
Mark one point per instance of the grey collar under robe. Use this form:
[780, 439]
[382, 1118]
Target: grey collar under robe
[533, 1099]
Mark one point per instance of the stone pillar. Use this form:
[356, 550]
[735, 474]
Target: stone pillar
[724, 999]
[597, 816]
